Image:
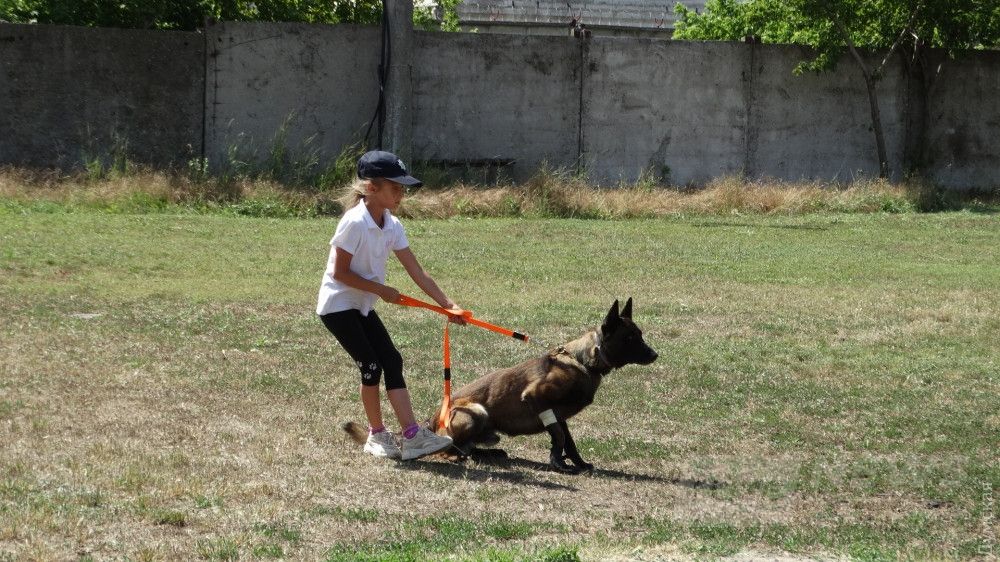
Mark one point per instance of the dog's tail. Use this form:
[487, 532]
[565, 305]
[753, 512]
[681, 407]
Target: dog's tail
[357, 433]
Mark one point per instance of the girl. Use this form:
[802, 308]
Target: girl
[354, 278]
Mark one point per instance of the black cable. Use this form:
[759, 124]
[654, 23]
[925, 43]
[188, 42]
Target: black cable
[387, 55]
[383, 78]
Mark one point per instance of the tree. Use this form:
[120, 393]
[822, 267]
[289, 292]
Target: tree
[905, 27]
[191, 14]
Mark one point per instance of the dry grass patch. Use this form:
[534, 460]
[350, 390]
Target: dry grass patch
[547, 194]
[554, 195]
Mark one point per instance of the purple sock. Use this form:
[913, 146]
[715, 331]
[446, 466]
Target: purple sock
[411, 430]
[374, 430]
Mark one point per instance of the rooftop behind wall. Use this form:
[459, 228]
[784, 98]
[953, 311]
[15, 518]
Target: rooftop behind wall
[648, 14]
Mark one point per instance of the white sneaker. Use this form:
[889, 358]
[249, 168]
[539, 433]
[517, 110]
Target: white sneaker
[425, 442]
[383, 445]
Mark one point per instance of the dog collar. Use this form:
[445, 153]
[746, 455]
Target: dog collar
[589, 369]
[603, 358]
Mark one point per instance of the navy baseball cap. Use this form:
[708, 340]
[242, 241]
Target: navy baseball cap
[380, 164]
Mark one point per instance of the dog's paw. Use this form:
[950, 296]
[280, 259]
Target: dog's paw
[566, 469]
[559, 465]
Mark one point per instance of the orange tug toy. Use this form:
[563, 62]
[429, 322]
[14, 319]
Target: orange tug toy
[443, 418]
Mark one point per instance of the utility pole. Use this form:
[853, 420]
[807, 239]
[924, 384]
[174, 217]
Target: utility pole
[399, 90]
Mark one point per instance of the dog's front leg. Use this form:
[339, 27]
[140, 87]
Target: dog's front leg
[571, 450]
[557, 456]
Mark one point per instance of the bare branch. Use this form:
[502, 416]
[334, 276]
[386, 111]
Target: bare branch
[854, 51]
[906, 30]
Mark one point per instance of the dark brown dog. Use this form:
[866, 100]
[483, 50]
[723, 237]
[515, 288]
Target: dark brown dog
[542, 393]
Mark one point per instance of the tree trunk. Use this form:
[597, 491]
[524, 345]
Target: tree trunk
[921, 79]
[871, 79]
[883, 159]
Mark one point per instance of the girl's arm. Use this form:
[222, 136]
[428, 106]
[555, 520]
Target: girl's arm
[342, 272]
[425, 282]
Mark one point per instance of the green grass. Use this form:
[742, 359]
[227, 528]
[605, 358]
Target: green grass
[437, 536]
[828, 384]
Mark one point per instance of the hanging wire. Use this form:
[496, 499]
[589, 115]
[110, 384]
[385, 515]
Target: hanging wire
[385, 59]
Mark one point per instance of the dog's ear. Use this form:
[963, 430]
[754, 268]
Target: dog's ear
[613, 317]
[627, 311]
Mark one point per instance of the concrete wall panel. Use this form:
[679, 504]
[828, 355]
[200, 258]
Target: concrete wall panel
[71, 93]
[480, 97]
[818, 126]
[963, 129]
[674, 109]
[318, 83]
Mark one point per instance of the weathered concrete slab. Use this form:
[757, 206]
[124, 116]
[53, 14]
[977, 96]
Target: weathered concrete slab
[963, 129]
[496, 97]
[317, 83]
[673, 109]
[818, 126]
[71, 93]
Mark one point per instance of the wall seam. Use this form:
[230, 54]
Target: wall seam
[579, 116]
[749, 138]
[204, 95]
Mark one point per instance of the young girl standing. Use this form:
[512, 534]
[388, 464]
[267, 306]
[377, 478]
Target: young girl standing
[354, 278]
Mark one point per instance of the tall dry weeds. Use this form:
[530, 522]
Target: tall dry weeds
[549, 193]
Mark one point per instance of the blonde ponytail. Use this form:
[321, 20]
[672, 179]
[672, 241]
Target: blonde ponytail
[354, 192]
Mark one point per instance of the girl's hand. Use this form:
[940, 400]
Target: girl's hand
[458, 315]
[389, 294]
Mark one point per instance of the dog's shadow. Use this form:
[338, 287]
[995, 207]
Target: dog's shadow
[469, 471]
[522, 471]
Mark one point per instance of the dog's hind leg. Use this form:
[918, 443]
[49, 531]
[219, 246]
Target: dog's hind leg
[466, 424]
[571, 450]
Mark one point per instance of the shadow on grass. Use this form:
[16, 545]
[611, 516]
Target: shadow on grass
[462, 471]
[520, 472]
[694, 484]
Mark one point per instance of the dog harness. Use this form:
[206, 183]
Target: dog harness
[443, 418]
[599, 356]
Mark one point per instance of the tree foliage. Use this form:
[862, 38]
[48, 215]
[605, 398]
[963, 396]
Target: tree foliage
[870, 24]
[907, 27]
[191, 14]
[445, 18]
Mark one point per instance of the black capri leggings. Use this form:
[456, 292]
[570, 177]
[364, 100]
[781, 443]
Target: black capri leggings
[367, 342]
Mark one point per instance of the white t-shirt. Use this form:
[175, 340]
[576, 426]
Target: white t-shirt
[358, 234]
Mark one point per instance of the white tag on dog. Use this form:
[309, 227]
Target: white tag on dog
[548, 418]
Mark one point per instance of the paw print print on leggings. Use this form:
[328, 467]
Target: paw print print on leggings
[370, 372]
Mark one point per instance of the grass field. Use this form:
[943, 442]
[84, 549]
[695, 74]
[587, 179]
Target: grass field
[828, 386]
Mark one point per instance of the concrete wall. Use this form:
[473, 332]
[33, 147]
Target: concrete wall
[496, 97]
[963, 129]
[818, 126]
[684, 111]
[66, 93]
[673, 109]
[318, 83]
[688, 112]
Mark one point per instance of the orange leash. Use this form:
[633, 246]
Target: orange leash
[443, 417]
[410, 301]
